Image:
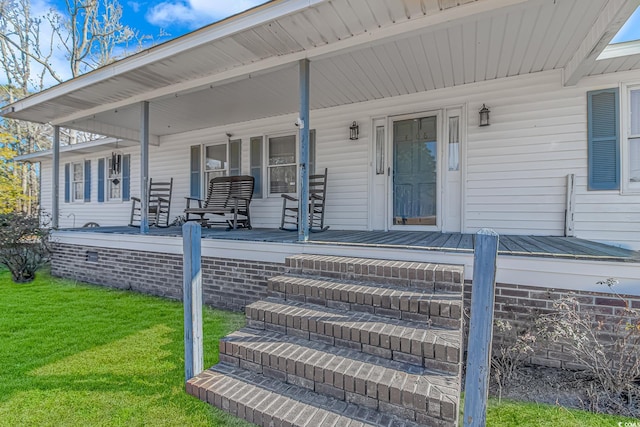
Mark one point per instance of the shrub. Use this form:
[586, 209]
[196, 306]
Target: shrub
[606, 347]
[510, 354]
[24, 245]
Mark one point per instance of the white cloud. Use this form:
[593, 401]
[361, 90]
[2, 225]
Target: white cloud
[196, 13]
[134, 5]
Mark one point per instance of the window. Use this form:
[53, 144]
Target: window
[633, 136]
[255, 160]
[77, 183]
[114, 177]
[215, 161]
[282, 168]
[454, 143]
[380, 147]
[221, 160]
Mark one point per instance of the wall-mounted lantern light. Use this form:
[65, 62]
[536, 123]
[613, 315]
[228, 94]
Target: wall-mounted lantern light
[484, 115]
[354, 131]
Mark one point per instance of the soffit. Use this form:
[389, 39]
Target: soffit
[528, 37]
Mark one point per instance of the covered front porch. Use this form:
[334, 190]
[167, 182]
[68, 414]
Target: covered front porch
[513, 245]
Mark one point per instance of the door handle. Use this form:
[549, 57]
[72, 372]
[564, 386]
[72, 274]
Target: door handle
[388, 170]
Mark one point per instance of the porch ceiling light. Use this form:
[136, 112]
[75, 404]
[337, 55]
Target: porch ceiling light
[484, 115]
[354, 131]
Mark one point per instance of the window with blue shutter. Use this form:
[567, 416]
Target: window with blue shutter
[604, 139]
[67, 183]
[126, 177]
[100, 180]
[195, 172]
[87, 180]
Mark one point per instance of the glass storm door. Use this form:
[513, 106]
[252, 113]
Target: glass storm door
[415, 143]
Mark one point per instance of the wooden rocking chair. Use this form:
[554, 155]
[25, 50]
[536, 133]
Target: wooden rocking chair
[317, 198]
[159, 204]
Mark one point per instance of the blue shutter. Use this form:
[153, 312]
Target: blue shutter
[67, 183]
[126, 177]
[100, 180]
[87, 180]
[604, 140]
[194, 172]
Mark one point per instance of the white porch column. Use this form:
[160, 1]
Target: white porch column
[303, 200]
[55, 196]
[144, 167]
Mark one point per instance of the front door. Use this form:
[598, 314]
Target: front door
[415, 171]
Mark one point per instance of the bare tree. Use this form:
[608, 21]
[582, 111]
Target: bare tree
[88, 34]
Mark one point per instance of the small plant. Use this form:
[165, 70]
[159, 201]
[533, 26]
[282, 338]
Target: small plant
[24, 245]
[607, 349]
[508, 356]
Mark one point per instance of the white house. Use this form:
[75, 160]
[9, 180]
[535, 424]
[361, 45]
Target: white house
[544, 167]
[555, 170]
[559, 158]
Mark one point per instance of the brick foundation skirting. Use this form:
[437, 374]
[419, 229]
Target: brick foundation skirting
[226, 283]
[233, 283]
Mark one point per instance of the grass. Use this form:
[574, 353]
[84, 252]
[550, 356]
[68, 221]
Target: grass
[74, 354]
[509, 413]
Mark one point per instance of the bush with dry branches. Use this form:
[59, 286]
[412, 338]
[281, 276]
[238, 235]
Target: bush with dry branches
[608, 348]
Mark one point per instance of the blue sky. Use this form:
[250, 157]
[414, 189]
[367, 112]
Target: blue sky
[174, 18]
[630, 30]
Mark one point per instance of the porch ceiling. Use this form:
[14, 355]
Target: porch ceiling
[359, 50]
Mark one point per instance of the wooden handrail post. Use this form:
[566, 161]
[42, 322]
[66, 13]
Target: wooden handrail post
[476, 389]
[192, 298]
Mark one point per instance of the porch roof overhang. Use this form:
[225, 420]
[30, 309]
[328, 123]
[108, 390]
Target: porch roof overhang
[80, 148]
[245, 67]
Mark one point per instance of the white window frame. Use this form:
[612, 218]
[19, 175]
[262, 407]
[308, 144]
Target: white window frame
[205, 170]
[627, 187]
[74, 182]
[268, 167]
[108, 179]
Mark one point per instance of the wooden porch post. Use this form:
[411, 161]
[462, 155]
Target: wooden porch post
[476, 388]
[303, 200]
[55, 197]
[144, 167]
[192, 299]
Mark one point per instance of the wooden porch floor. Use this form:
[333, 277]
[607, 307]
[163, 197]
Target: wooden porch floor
[537, 246]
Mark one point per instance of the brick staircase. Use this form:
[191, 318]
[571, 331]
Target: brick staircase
[345, 342]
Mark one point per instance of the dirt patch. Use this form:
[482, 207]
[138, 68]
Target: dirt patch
[564, 388]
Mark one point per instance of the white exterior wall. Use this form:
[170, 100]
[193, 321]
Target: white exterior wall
[514, 171]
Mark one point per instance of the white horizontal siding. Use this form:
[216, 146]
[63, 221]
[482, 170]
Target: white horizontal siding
[76, 214]
[514, 171]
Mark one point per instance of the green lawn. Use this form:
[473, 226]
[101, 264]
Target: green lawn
[79, 355]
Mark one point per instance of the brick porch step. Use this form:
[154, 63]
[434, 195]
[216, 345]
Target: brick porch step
[395, 339]
[440, 309]
[426, 276]
[391, 387]
[268, 402]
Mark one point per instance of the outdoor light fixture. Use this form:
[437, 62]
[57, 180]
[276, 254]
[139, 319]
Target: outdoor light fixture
[484, 115]
[354, 131]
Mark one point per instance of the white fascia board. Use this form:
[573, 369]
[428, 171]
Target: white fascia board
[271, 64]
[243, 21]
[620, 49]
[83, 146]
